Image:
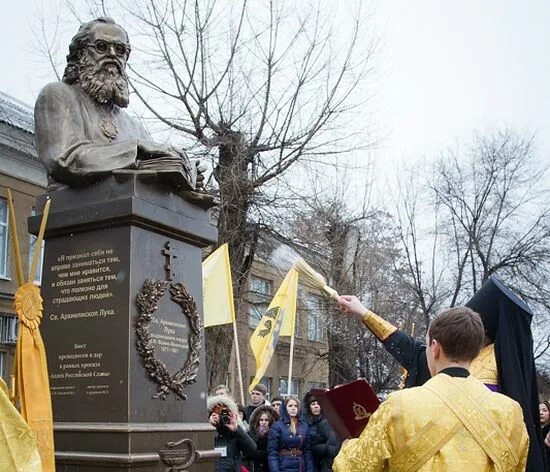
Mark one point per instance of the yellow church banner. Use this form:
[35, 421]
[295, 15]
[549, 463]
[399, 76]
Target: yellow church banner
[32, 386]
[266, 335]
[217, 288]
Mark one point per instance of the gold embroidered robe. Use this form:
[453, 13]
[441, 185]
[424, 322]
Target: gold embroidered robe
[18, 450]
[484, 366]
[448, 424]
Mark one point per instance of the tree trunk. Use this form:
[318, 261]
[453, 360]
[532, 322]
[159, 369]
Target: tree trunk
[342, 366]
[236, 192]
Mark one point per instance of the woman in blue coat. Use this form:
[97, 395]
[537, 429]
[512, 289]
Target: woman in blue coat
[288, 443]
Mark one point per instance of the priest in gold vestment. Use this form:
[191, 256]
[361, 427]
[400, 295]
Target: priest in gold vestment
[451, 423]
[505, 364]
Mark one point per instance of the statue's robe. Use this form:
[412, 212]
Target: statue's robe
[451, 423]
[71, 139]
[18, 449]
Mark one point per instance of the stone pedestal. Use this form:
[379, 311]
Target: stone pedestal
[120, 361]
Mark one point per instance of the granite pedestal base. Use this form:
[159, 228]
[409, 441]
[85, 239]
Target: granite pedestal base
[127, 377]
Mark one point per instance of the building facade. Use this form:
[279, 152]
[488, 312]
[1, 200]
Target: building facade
[24, 175]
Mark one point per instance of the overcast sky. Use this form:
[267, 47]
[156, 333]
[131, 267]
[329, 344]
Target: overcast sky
[447, 68]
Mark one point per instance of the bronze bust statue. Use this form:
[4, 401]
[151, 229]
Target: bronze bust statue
[82, 131]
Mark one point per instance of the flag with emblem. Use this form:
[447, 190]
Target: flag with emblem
[266, 335]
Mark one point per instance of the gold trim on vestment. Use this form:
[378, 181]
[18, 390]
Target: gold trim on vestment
[427, 442]
[379, 327]
[484, 366]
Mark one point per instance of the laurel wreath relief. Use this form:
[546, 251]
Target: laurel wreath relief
[147, 303]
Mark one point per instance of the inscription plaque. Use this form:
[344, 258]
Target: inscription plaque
[85, 284]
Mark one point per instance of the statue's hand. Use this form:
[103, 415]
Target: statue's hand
[150, 150]
[199, 184]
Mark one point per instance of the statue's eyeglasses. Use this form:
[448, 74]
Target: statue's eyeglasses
[102, 47]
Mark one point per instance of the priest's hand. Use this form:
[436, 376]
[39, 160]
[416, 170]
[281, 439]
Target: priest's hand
[351, 305]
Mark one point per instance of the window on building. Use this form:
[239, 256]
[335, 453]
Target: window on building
[268, 382]
[3, 238]
[32, 248]
[260, 297]
[315, 318]
[8, 329]
[311, 385]
[294, 388]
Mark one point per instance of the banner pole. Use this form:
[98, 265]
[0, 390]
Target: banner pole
[238, 357]
[39, 239]
[290, 361]
[15, 241]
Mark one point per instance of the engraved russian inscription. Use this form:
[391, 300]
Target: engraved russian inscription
[82, 286]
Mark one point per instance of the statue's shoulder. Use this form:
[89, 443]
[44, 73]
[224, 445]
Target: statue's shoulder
[57, 91]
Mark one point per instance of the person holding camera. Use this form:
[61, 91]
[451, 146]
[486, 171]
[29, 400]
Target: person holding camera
[231, 440]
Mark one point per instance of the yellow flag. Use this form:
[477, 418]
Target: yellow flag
[266, 335]
[217, 288]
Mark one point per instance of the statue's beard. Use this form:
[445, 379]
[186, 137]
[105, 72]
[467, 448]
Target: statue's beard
[105, 81]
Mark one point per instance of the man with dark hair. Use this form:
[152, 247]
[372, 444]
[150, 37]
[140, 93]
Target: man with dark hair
[277, 402]
[452, 422]
[82, 131]
[257, 398]
[505, 363]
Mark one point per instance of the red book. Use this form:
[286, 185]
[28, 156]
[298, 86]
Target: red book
[348, 407]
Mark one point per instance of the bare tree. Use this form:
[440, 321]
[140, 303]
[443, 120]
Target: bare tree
[420, 244]
[253, 87]
[487, 207]
[357, 253]
[495, 199]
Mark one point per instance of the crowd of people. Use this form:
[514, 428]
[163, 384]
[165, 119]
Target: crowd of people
[470, 402]
[281, 435]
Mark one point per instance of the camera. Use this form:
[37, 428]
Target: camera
[224, 414]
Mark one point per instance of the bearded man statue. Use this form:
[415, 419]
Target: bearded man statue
[82, 131]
